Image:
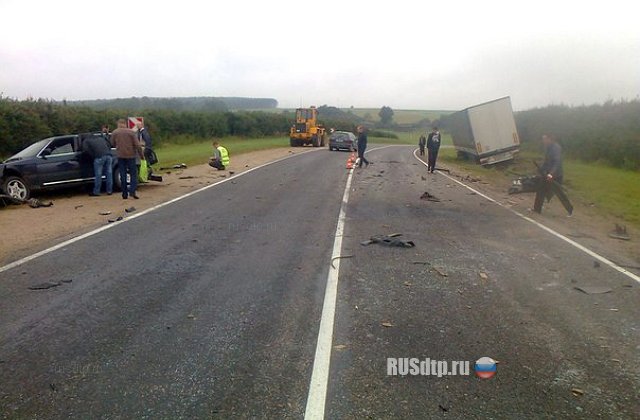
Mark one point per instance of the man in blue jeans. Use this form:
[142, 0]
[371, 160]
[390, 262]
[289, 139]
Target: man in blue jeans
[98, 147]
[127, 148]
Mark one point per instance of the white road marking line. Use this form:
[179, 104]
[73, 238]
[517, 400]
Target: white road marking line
[543, 227]
[317, 397]
[142, 213]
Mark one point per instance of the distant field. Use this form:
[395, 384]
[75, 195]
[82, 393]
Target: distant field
[400, 116]
[409, 138]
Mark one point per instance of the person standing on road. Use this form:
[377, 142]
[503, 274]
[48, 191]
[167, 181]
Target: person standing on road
[422, 141]
[433, 146]
[552, 176]
[127, 149]
[98, 147]
[362, 146]
[220, 159]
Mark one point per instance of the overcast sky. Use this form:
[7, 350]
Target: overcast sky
[404, 54]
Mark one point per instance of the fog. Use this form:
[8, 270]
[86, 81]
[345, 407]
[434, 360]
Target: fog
[407, 56]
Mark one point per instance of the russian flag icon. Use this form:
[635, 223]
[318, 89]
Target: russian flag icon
[485, 367]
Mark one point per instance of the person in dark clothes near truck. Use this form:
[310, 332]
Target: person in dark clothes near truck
[127, 148]
[99, 149]
[552, 176]
[433, 146]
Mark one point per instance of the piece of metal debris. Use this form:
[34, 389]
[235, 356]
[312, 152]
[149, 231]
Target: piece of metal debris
[387, 324]
[389, 240]
[593, 290]
[429, 197]
[440, 271]
[338, 257]
[620, 232]
[577, 392]
[45, 285]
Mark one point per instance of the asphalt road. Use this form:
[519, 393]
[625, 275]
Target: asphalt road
[210, 307]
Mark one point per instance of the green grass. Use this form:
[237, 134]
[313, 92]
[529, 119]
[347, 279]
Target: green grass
[408, 138]
[612, 191]
[199, 151]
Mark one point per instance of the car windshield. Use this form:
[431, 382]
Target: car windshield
[30, 151]
[340, 136]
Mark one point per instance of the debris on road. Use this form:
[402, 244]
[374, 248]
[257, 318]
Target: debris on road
[338, 257]
[117, 219]
[620, 232]
[483, 275]
[577, 392]
[176, 166]
[187, 177]
[421, 262]
[593, 290]
[130, 209]
[429, 197]
[389, 240]
[48, 285]
[440, 271]
[78, 206]
[104, 213]
[339, 347]
[191, 316]
[387, 324]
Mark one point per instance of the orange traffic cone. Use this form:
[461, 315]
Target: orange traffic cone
[350, 162]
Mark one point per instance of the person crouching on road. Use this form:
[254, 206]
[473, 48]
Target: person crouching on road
[128, 149]
[433, 146]
[362, 146]
[220, 159]
[98, 147]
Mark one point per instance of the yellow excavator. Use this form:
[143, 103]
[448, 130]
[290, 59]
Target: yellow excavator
[306, 129]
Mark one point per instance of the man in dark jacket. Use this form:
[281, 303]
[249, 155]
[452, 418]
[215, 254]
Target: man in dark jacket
[433, 146]
[127, 148]
[99, 149]
[362, 145]
[551, 176]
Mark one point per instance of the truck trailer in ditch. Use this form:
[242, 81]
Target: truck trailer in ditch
[486, 132]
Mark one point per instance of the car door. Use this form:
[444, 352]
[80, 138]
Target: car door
[59, 162]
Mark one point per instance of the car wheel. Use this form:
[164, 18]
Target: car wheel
[16, 187]
[116, 179]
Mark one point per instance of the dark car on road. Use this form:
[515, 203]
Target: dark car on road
[343, 140]
[51, 163]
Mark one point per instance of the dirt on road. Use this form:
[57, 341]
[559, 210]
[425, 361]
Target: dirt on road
[26, 230]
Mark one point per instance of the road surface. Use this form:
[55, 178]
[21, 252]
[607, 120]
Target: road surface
[210, 307]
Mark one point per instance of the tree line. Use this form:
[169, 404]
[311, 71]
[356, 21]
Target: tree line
[606, 133]
[23, 122]
[193, 103]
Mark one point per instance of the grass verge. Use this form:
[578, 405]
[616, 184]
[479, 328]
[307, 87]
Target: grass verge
[199, 151]
[610, 190]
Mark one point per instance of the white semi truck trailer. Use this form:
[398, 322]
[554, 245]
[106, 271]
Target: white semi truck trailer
[486, 133]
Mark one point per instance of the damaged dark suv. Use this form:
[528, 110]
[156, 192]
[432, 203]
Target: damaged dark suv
[52, 163]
